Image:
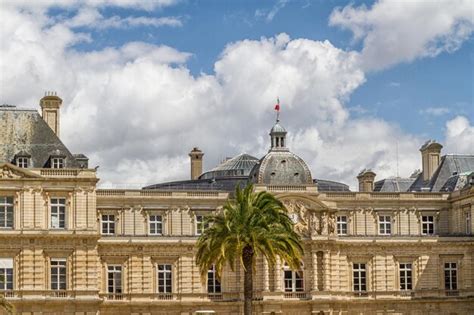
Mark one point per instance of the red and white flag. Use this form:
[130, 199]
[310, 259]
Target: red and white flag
[277, 106]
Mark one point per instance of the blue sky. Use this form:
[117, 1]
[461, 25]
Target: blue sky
[155, 78]
[401, 94]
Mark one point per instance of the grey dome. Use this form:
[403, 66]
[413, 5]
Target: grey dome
[281, 168]
[240, 165]
[277, 128]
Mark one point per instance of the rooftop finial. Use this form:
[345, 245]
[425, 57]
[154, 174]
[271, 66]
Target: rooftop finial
[277, 108]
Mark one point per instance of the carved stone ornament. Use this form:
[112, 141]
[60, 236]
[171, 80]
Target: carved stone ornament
[300, 215]
[8, 173]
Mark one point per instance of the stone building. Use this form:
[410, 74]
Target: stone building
[397, 246]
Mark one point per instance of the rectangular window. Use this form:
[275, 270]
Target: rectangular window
[165, 278]
[213, 284]
[114, 279]
[341, 225]
[156, 225]
[405, 276]
[6, 212]
[108, 224]
[6, 273]
[57, 162]
[22, 162]
[468, 223]
[385, 224]
[450, 276]
[359, 277]
[427, 225]
[201, 224]
[58, 213]
[58, 274]
[293, 280]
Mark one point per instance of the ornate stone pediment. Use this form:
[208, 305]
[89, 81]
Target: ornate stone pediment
[310, 219]
[10, 171]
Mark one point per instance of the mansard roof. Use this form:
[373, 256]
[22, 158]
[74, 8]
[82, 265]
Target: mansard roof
[25, 132]
[393, 184]
[449, 166]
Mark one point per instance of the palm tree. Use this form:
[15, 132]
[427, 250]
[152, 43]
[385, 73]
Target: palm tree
[251, 224]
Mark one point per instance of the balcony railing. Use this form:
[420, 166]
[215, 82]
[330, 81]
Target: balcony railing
[235, 296]
[297, 295]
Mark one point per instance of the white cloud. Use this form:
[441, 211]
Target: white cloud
[459, 136]
[269, 14]
[402, 31]
[435, 111]
[90, 17]
[136, 110]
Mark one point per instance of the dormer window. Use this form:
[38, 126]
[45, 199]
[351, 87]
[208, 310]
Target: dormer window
[22, 161]
[57, 162]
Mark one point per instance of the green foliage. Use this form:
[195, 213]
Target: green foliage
[258, 220]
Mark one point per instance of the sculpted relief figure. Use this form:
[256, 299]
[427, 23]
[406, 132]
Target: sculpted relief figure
[332, 224]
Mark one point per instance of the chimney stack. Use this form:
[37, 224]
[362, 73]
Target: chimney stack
[196, 162]
[366, 180]
[430, 158]
[50, 105]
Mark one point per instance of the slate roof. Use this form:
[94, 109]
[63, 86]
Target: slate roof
[393, 184]
[444, 178]
[329, 185]
[240, 165]
[25, 132]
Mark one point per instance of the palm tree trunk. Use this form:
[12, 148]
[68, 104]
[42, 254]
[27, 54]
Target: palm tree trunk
[248, 279]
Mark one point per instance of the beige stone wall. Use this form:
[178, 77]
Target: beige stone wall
[327, 265]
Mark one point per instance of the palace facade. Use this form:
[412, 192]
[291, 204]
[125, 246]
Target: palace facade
[396, 246]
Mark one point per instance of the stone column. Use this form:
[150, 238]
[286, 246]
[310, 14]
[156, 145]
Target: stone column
[314, 285]
[278, 278]
[266, 278]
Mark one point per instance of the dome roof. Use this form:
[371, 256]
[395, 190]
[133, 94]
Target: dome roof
[240, 165]
[277, 128]
[281, 168]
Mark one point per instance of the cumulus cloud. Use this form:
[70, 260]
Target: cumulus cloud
[136, 110]
[402, 31]
[90, 17]
[459, 136]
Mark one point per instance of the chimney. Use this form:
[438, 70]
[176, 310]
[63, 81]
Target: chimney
[366, 180]
[50, 105]
[196, 162]
[430, 157]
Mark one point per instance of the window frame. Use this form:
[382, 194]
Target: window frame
[108, 224]
[468, 219]
[114, 269]
[427, 223]
[155, 223]
[58, 162]
[359, 283]
[201, 225]
[167, 275]
[58, 206]
[406, 274]
[341, 225]
[216, 284]
[7, 209]
[22, 161]
[449, 284]
[58, 279]
[7, 273]
[296, 276]
[385, 227]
